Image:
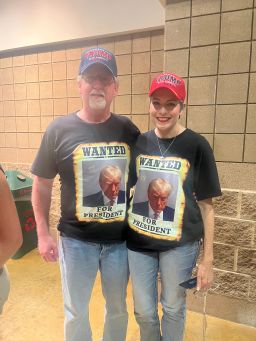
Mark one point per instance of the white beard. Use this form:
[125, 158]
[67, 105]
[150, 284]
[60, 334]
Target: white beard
[97, 103]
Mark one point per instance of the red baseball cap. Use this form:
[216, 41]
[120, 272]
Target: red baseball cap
[171, 82]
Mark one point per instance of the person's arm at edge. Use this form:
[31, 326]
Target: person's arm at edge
[41, 201]
[10, 230]
[205, 268]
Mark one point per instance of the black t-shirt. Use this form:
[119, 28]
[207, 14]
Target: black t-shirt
[189, 173]
[78, 151]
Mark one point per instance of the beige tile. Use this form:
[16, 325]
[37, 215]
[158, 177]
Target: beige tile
[10, 140]
[8, 155]
[46, 107]
[44, 57]
[74, 104]
[141, 42]
[232, 89]
[34, 124]
[22, 124]
[201, 7]
[140, 104]
[32, 73]
[230, 118]
[1, 93]
[6, 62]
[72, 88]
[19, 75]
[20, 91]
[9, 124]
[123, 104]
[60, 106]
[33, 107]
[177, 34]
[201, 118]
[1, 124]
[141, 62]
[253, 56]
[140, 83]
[31, 59]
[9, 108]
[250, 148]
[32, 91]
[251, 119]
[45, 121]
[157, 40]
[124, 85]
[22, 140]
[228, 147]
[59, 70]
[21, 108]
[1, 109]
[8, 92]
[18, 61]
[2, 140]
[234, 57]
[46, 89]
[123, 45]
[206, 95]
[177, 62]
[141, 121]
[229, 5]
[107, 43]
[34, 140]
[157, 60]
[203, 60]
[73, 54]
[252, 88]
[72, 69]
[59, 56]
[45, 72]
[254, 25]
[7, 76]
[26, 155]
[205, 30]
[177, 10]
[236, 26]
[124, 64]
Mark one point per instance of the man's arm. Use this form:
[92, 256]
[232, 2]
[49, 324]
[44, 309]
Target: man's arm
[41, 201]
[10, 230]
[205, 268]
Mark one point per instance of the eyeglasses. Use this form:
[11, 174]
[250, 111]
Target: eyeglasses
[103, 79]
[170, 105]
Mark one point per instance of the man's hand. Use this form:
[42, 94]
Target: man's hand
[204, 275]
[48, 248]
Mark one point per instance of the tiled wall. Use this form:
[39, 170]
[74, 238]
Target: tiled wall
[212, 43]
[37, 87]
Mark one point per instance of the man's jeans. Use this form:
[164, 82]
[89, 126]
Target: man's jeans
[79, 264]
[175, 266]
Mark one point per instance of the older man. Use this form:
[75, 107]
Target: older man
[89, 240]
[156, 207]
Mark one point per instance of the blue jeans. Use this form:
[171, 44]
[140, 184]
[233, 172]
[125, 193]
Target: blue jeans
[79, 264]
[175, 266]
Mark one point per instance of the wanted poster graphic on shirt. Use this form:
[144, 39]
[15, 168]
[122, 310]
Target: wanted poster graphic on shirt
[158, 203]
[101, 171]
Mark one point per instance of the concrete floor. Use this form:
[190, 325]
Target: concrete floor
[34, 309]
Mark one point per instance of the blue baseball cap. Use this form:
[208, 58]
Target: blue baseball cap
[98, 55]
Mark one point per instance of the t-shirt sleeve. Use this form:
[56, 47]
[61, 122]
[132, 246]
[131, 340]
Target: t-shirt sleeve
[44, 164]
[207, 183]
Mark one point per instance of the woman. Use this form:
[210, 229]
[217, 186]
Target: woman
[10, 235]
[185, 160]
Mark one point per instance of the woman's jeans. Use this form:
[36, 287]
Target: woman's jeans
[79, 264]
[175, 266]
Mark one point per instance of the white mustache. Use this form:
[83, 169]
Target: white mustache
[97, 93]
